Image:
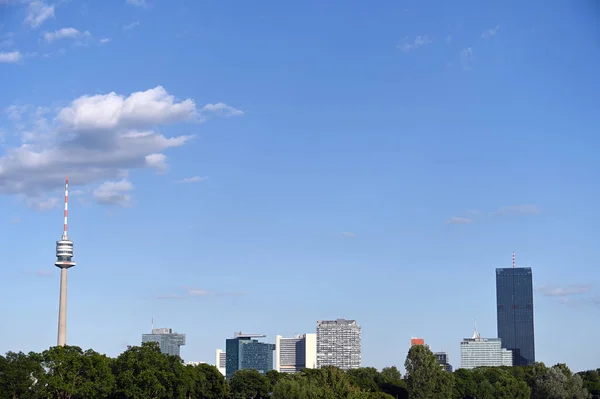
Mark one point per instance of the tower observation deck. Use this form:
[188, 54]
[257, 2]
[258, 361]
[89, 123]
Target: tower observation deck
[64, 260]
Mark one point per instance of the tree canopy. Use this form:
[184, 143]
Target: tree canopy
[143, 372]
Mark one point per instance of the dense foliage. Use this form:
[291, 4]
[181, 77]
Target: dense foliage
[144, 373]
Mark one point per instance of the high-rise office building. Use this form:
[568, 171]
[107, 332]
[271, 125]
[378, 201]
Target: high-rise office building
[295, 354]
[242, 352]
[170, 343]
[444, 361]
[483, 352]
[221, 360]
[514, 300]
[339, 344]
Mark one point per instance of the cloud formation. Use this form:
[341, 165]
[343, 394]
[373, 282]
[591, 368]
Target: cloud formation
[556, 291]
[93, 139]
[137, 3]
[466, 58]
[195, 179]
[64, 33]
[37, 13]
[349, 234]
[526, 209]
[459, 220]
[222, 109]
[418, 42]
[10, 57]
[490, 32]
[114, 193]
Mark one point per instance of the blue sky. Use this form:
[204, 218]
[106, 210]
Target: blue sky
[259, 166]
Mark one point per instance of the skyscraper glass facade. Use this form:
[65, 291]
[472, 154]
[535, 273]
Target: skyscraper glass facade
[514, 300]
[243, 352]
[169, 342]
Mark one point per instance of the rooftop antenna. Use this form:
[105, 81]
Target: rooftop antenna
[475, 333]
[152, 322]
[514, 262]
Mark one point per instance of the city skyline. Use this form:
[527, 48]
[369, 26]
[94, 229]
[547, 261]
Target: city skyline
[266, 167]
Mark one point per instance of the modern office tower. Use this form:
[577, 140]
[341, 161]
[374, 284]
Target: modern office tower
[295, 354]
[483, 352]
[339, 344]
[444, 361]
[170, 342]
[514, 300]
[416, 341]
[221, 360]
[64, 260]
[242, 352]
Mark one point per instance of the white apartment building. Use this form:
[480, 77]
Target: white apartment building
[295, 354]
[339, 344]
[220, 359]
[483, 352]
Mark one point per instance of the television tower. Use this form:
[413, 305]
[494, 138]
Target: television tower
[64, 256]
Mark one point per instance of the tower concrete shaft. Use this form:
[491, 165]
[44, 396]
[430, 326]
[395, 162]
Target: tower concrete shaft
[62, 311]
[64, 260]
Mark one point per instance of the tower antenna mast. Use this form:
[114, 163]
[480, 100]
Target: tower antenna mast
[64, 260]
[514, 262]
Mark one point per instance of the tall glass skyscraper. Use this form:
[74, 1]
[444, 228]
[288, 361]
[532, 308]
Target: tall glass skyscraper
[242, 352]
[514, 300]
[170, 342]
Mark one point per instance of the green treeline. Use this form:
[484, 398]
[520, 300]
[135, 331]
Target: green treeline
[144, 373]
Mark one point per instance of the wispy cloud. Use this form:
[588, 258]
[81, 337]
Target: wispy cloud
[349, 234]
[459, 220]
[132, 25]
[15, 220]
[198, 292]
[10, 57]
[526, 209]
[563, 291]
[466, 58]
[490, 32]
[195, 179]
[64, 33]
[137, 3]
[41, 204]
[418, 42]
[38, 12]
[105, 40]
[222, 109]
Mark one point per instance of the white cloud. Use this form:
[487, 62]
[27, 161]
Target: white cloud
[10, 57]
[38, 12]
[419, 41]
[114, 193]
[466, 58]
[570, 289]
[459, 220]
[139, 110]
[93, 139]
[138, 3]
[222, 109]
[131, 25]
[105, 40]
[157, 161]
[348, 234]
[64, 33]
[195, 179]
[42, 204]
[527, 209]
[490, 32]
